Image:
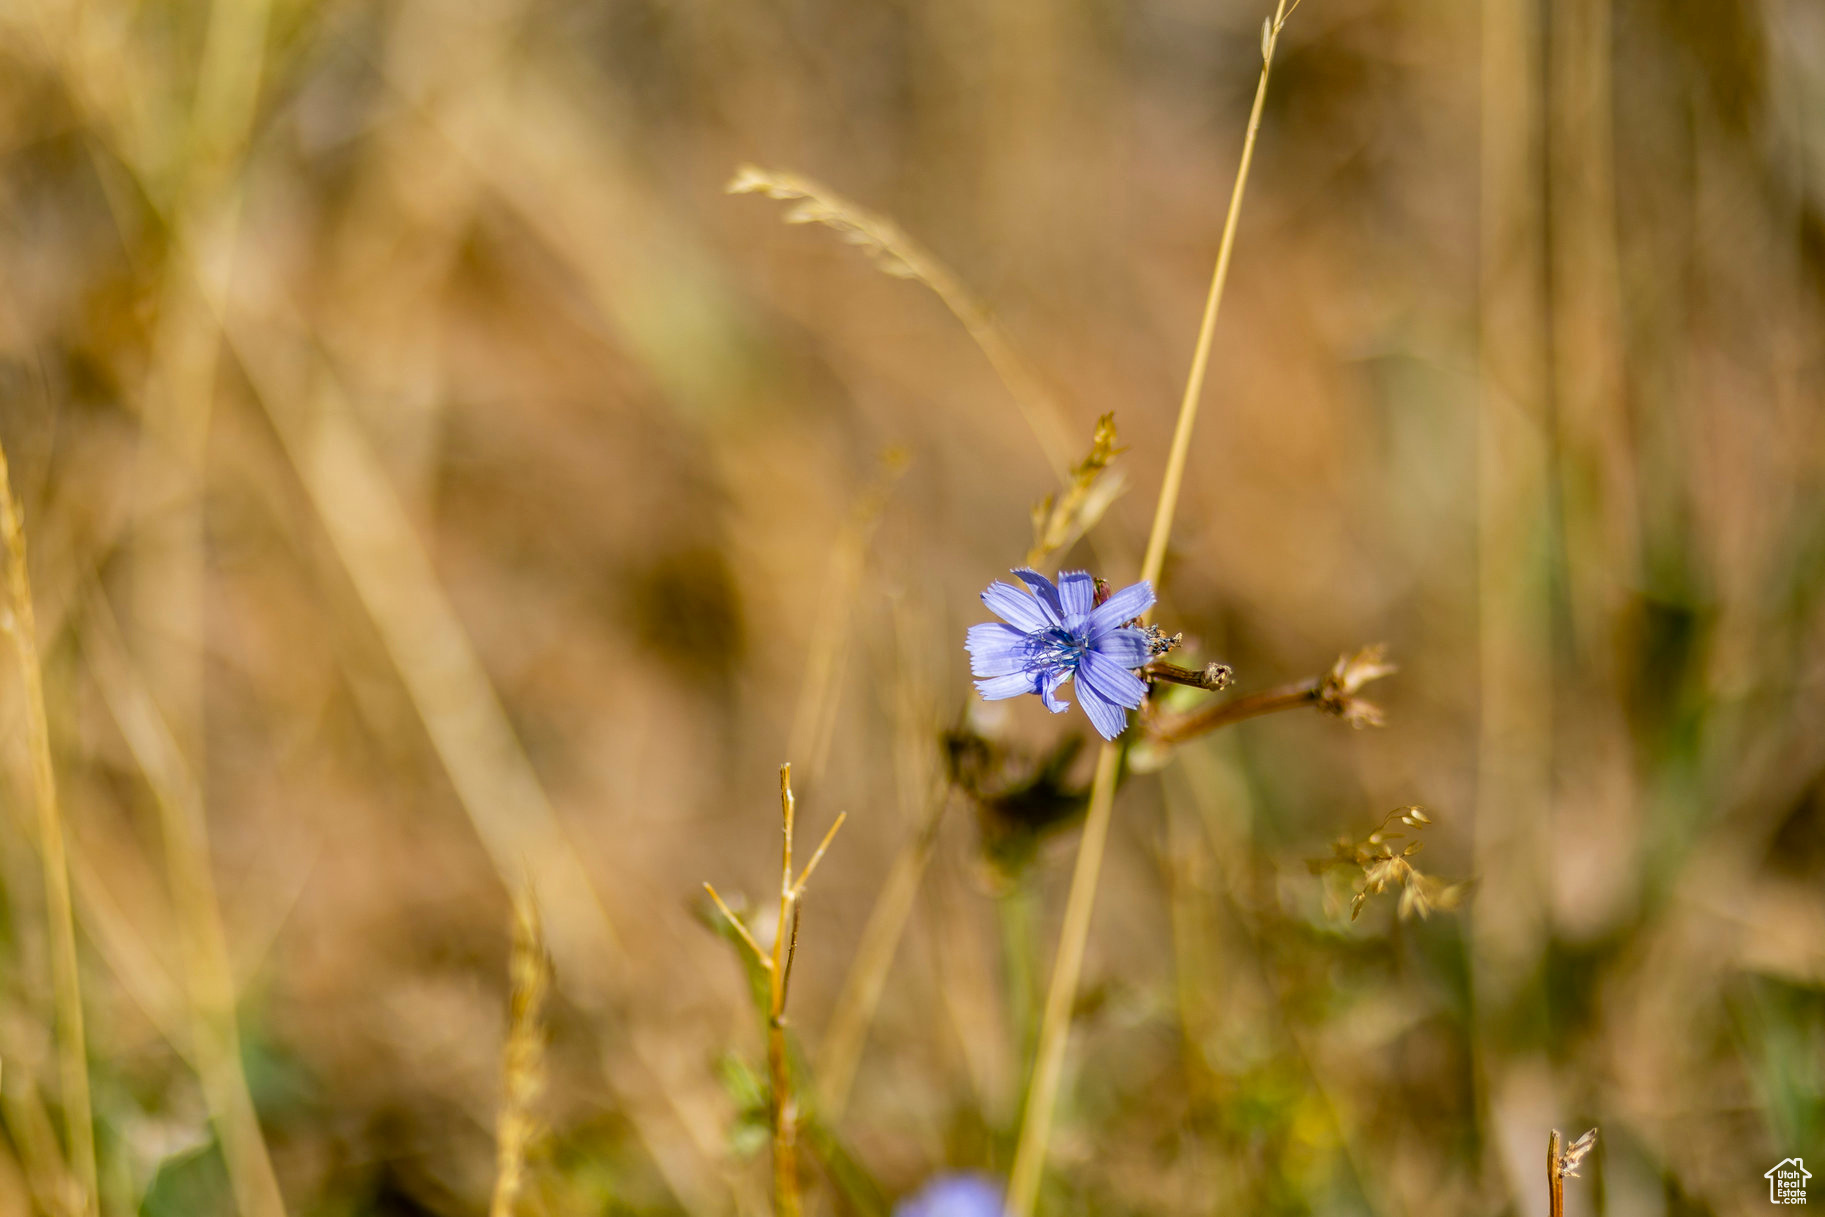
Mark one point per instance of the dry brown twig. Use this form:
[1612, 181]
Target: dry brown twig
[777, 965]
[1337, 693]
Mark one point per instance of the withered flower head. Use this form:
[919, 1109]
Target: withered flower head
[1338, 694]
[1574, 1154]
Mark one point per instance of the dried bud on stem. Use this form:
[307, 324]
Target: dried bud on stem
[1561, 1162]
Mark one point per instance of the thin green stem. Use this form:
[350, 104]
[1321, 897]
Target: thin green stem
[1055, 1027]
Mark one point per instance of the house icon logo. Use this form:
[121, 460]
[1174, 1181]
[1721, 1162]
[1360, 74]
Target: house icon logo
[1787, 1182]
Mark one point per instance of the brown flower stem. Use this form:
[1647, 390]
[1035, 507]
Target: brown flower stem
[1270, 701]
[1555, 1176]
[1210, 677]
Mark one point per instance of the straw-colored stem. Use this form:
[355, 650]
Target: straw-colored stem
[785, 1116]
[72, 1051]
[1055, 1023]
[1200, 360]
[779, 1067]
[1055, 1026]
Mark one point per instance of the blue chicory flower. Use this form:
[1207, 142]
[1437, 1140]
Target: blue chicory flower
[1059, 632]
[954, 1196]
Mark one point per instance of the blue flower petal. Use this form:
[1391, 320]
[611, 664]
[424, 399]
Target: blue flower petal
[954, 1196]
[1124, 605]
[1016, 607]
[1014, 684]
[996, 649]
[1048, 689]
[1043, 589]
[1110, 680]
[1077, 593]
[1127, 647]
[1108, 718]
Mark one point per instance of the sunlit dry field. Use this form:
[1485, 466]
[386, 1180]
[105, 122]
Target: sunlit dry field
[458, 452]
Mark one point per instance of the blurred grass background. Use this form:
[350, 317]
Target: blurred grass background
[432, 478]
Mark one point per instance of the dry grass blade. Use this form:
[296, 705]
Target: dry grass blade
[900, 256]
[436, 660]
[735, 922]
[523, 1054]
[798, 889]
[455, 698]
[214, 1030]
[814, 719]
[841, 1051]
[34, 1142]
[20, 624]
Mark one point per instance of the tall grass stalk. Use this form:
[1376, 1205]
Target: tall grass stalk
[1055, 1027]
[467, 724]
[394, 578]
[72, 1048]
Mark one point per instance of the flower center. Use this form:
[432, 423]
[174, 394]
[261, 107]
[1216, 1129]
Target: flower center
[1062, 648]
